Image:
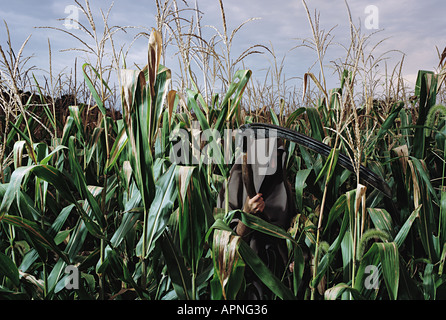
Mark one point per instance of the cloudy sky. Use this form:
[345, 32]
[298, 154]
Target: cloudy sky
[411, 28]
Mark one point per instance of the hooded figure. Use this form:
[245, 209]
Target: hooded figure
[273, 203]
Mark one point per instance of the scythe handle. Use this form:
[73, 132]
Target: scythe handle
[247, 175]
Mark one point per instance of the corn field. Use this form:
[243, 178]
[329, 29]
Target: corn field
[90, 191]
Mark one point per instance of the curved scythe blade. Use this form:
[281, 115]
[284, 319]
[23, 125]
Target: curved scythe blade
[365, 175]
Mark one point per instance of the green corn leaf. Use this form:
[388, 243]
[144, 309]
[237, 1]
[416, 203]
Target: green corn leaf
[129, 219]
[60, 220]
[54, 177]
[336, 210]
[426, 213]
[256, 223]
[385, 257]
[137, 105]
[404, 231]
[442, 219]
[119, 269]
[213, 144]
[47, 159]
[232, 98]
[178, 272]
[20, 132]
[329, 166]
[193, 105]
[34, 232]
[23, 206]
[47, 173]
[293, 116]
[193, 209]
[381, 219]
[330, 255]
[274, 119]
[118, 147]
[264, 273]
[252, 260]
[301, 177]
[334, 292]
[66, 133]
[235, 92]
[93, 90]
[389, 122]
[390, 266]
[424, 175]
[18, 152]
[161, 87]
[317, 128]
[429, 286]
[159, 211]
[228, 267]
[55, 276]
[81, 183]
[77, 238]
[335, 95]
[299, 266]
[9, 269]
[93, 146]
[75, 115]
[426, 91]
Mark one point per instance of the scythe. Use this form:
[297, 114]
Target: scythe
[262, 130]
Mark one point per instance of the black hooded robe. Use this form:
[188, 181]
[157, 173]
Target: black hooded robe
[279, 210]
